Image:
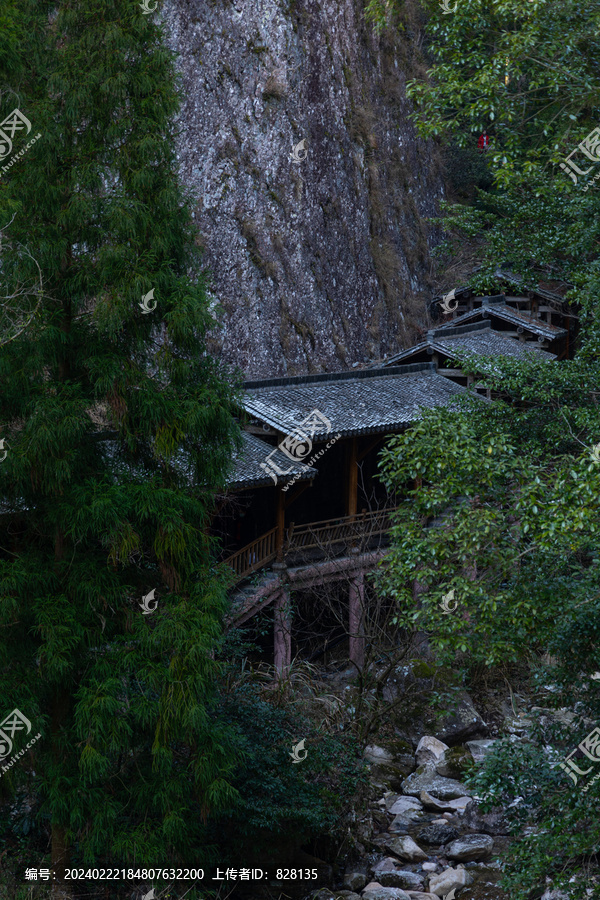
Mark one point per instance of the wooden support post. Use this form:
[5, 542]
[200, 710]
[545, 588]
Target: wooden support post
[282, 637]
[280, 523]
[351, 478]
[356, 624]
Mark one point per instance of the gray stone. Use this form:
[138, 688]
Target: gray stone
[403, 847]
[438, 834]
[375, 754]
[480, 749]
[402, 824]
[402, 878]
[443, 883]
[432, 804]
[428, 780]
[355, 877]
[388, 874]
[346, 895]
[493, 822]
[470, 847]
[460, 804]
[429, 750]
[405, 804]
[463, 722]
[387, 864]
[454, 763]
[384, 893]
[419, 895]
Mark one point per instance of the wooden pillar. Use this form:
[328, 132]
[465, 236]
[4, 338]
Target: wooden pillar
[356, 623]
[282, 637]
[351, 478]
[280, 522]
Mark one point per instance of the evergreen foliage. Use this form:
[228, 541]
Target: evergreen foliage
[119, 428]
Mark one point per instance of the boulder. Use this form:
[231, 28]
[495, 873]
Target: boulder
[438, 834]
[410, 817]
[387, 864]
[493, 822]
[346, 895]
[355, 877]
[405, 804]
[376, 755]
[470, 847]
[429, 866]
[454, 762]
[401, 825]
[460, 804]
[480, 749]
[430, 750]
[376, 891]
[428, 780]
[403, 847]
[390, 876]
[463, 722]
[419, 895]
[443, 883]
[434, 805]
[386, 767]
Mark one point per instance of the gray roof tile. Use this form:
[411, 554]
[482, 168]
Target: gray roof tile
[481, 340]
[508, 314]
[367, 401]
[247, 471]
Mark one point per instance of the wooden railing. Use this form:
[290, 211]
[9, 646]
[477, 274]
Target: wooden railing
[254, 556]
[355, 530]
[358, 530]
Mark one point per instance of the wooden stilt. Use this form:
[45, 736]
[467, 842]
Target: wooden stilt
[356, 625]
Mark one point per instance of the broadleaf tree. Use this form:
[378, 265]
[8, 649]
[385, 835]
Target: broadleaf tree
[496, 556]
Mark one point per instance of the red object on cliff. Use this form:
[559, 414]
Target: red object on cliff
[484, 142]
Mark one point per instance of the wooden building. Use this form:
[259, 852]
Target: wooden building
[324, 516]
[444, 346]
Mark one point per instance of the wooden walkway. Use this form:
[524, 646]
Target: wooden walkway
[348, 532]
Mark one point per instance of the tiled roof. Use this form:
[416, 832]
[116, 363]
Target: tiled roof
[369, 401]
[508, 314]
[247, 471]
[477, 338]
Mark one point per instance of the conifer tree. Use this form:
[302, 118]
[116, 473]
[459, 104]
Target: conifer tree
[118, 429]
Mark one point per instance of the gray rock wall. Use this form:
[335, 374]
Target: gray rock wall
[322, 263]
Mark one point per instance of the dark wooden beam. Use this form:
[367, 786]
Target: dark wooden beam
[289, 498]
[360, 456]
[280, 522]
[351, 477]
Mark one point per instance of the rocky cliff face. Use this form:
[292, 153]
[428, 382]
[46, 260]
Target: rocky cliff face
[320, 263]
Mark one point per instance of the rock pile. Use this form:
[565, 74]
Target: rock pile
[424, 837]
